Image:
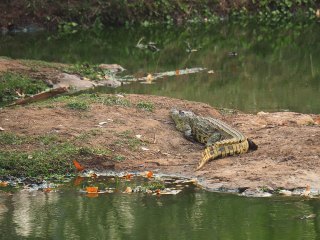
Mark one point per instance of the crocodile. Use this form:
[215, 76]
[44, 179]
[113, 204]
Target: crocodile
[219, 138]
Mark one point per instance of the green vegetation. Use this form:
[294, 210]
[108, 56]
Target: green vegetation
[42, 155]
[147, 106]
[92, 72]
[70, 17]
[13, 139]
[119, 158]
[83, 101]
[128, 139]
[81, 106]
[154, 185]
[12, 85]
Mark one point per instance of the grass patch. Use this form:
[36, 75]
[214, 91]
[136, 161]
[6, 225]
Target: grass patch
[146, 106]
[119, 158]
[48, 139]
[154, 185]
[80, 106]
[114, 100]
[55, 159]
[13, 84]
[92, 72]
[127, 139]
[7, 138]
[93, 151]
[81, 101]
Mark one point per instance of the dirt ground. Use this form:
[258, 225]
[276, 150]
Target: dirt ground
[288, 155]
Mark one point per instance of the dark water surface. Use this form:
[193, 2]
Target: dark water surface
[276, 67]
[188, 215]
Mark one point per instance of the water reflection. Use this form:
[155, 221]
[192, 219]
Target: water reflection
[276, 67]
[188, 215]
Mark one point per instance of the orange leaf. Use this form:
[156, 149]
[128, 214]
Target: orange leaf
[92, 189]
[128, 176]
[3, 184]
[46, 190]
[78, 165]
[149, 174]
[177, 72]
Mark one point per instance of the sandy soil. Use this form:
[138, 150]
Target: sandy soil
[288, 155]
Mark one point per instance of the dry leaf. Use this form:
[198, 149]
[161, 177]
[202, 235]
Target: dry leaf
[177, 72]
[78, 165]
[3, 184]
[46, 190]
[128, 176]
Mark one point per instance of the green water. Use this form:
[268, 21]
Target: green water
[277, 67]
[192, 214]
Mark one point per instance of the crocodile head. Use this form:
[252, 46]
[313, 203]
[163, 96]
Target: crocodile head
[182, 119]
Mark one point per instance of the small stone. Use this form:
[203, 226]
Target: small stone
[285, 192]
[262, 113]
[128, 190]
[1, 129]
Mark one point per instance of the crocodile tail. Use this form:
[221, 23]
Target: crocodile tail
[216, 151]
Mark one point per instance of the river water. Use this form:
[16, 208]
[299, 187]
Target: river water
[252, 67]
[192, 214]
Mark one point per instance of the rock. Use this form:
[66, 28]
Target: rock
[114, 68]
[304, 120]
[286, 118]
[285, 192]
[110, 83]
[73, 81]
[128, 190]
[255, 193]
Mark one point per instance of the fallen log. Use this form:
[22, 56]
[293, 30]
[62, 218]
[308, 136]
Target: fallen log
[40, 96]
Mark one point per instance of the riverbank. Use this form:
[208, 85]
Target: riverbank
[136, 133]
[68, 15]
